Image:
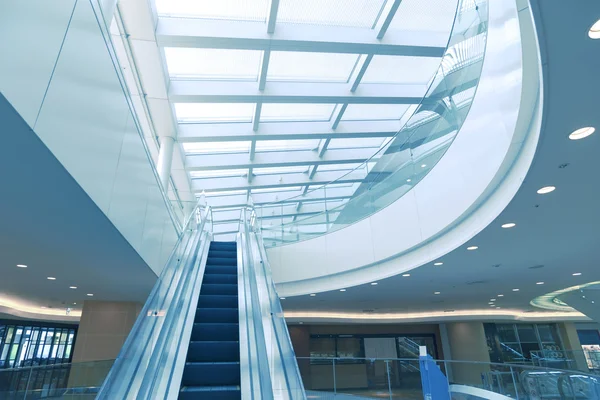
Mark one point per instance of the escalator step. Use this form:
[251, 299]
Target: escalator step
[220, 278]
[217, 315]
[214, 351]
[223, 245]
[218, 288]
[210, 393]
[223, 254]
[220, 260]
[221, 269]
[211, 331]
[217, 301]
[211, 374]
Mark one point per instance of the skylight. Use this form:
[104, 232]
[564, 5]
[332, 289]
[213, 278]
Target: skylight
[399, 69]
[422, 16]
[240, 10]
[310, 67]
[218, 173]
[278, 112]
[283, 145]
[214, 112]
[280, 170]
[373, 112]
[215, 64]
[216, 147]
[350, 13]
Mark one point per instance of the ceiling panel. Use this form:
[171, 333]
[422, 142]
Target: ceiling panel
[278, 112]
[310, 67]
[401, 69]
[216, 64]
[240, 10]
[214, 112]
[351, 13]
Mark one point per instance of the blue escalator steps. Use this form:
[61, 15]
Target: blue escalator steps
[212, 369]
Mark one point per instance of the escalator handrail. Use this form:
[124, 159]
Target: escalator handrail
[127, 374]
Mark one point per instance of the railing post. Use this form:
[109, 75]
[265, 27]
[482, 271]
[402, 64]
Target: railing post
[387, 370]
[512, 375]
[334, 380]
[28, 380]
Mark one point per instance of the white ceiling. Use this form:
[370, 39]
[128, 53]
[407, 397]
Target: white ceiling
[557, 231]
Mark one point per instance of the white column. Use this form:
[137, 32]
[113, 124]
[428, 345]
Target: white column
[165, 158]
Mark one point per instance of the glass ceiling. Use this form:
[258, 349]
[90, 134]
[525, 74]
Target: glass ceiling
[276, 123]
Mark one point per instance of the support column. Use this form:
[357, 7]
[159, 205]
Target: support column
[466, 342]
[165, 159]
[103, 328]
[570, 339]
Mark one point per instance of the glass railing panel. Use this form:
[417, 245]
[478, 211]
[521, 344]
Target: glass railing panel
[428, 131]
[65, 381]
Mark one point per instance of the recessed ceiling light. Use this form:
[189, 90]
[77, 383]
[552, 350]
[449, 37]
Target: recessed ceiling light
[472, 248]
[436, 292]
[515, 290]
[90, 294]
[74, 304]
[437, 264]
[282, 298]
[313, 294]
[594, 32]
[577, 274]
[498, 307]
[300, 322]
[582, 133]
[490, 303]
[509, 225]
[373, 283]
[21, 265]
[546, 189]
[72, 287]
[539, 283]
[51, 278]
[342, 290]
[409, 180]
[423, 165]
[405, 275]
[500, 295]
[492, 299]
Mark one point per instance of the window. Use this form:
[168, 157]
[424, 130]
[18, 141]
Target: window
[278, 145]
[214, 112]
[216, 147]
[241, 10]
[280, 112]
[350, 13]
[522, 342]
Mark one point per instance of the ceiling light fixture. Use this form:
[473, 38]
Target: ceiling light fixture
[582, 133]
[51, 278]
[313, 294]
[406, 275]
[436, 292]
[546, 189]
[72, 287]
[498, 307]
[437, 264]
[21, 266]
[594, 32]
[90, 294]
[500, 295]
[509, 225]
[282, 298]
[472, 248]
[423, 165]
[515, 290]
[539, 283]
[492, 299]
[409, 180]
[373, 283]
[342, 290]
[577, 274]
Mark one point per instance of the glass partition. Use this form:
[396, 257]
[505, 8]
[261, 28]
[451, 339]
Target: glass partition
[403, 160]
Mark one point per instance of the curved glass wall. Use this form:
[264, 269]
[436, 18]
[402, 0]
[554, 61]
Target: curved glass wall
[404, 159]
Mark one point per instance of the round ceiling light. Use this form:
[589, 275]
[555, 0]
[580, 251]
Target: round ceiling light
[72, 287]
[539, 283]
[21, 266]
[500, 295]
[594, 32]
[405, 275]
[437, 264]
[509, 225]
[312, 294]
[582, 133]
[546, 189]
[373, 283]
[515, 290]
[436, 292]
[90, 294]
[577, 274]
[342, 290]
[282, 298]
[51, 278]
[472, 248]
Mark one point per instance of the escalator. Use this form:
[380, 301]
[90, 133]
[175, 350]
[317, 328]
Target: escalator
[213, 326]
[212, 368]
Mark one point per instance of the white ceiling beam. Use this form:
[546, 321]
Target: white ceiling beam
[217, 132]
[334, 193]
[209, 162]
[365, 61]
[274, 181]
[248, 35]
[264, 70]
[338, 115]
[323, 147]
[272, 19]
[392, 7]
[197, 91]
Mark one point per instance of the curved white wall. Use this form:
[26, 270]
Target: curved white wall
[464, 192]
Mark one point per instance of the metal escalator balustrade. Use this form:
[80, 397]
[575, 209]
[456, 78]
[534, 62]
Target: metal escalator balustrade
[212, 369]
